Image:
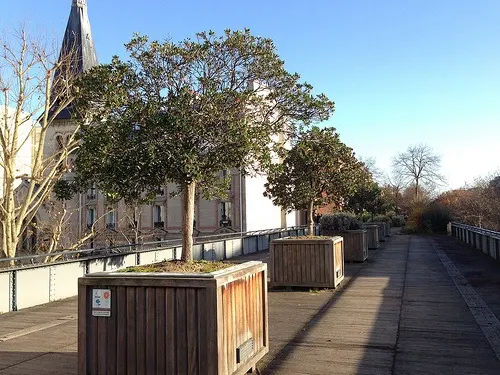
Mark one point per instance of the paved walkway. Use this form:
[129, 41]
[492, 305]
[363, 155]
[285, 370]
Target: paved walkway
[418, 306]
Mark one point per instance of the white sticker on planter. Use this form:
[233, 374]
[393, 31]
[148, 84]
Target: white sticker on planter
[101, 302]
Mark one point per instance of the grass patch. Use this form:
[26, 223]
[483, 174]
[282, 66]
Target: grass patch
[179, 266]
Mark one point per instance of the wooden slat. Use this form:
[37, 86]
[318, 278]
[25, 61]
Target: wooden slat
[82, 329]
[192, 343]
[170, 331]
[181, 330]
[112, 343]
[140, 345]
[122, 318]
[216, 308]
[102, 338]
[202, 322]
[161, 323]
[131, 358]
[151, 332]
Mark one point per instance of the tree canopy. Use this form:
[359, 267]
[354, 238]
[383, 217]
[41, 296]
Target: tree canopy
[182, 112]
[317, 170]
[418, 165]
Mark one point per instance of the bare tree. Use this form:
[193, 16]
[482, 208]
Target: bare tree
[420, 166]
[371, 164]
[32, 96]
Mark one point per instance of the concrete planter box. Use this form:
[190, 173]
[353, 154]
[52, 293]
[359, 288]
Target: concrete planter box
[307, 262]
[355, 244]
[372, 236]
[162, 323]
[382, 230]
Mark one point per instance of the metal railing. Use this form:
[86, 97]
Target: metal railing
[43, 278]
[485, 240]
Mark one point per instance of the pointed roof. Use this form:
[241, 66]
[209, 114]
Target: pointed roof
[77, 40]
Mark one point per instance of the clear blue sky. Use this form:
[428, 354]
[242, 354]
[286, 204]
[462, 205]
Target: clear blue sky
[400, 71]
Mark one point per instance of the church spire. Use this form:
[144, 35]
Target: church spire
[78, 42]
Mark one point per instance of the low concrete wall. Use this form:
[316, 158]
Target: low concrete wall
[5, 292]
[43, 283]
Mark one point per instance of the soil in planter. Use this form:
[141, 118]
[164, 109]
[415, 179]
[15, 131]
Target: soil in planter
[309, 238]
[179, 266]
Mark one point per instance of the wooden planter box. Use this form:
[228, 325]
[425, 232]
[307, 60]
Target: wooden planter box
[382, 230]
[307, 262]
[355, 244]
[161, 323]
[372, 236]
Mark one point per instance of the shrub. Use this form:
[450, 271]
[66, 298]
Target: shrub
[428, 218]
[435, 217]
[382, 218]
[397, 221]
[364, 217]
[340, 221]
[391, 214]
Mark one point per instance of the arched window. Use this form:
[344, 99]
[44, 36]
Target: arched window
[60, 142]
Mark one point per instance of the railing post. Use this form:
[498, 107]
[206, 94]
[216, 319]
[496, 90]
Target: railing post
[13, 283]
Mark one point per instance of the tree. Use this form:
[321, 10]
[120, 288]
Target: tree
[418, 165]
[371, 165]
[367, 198]
[476, 204]
[183, 112]
[317, 170]
[28, 108]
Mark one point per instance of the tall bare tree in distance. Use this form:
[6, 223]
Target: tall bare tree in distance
[418, 165]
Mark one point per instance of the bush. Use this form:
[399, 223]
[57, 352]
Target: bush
[428, 219]
[435, 218]
[382, 218]
[391, 214]
[364, 217]
[340, 221]
[397, 221]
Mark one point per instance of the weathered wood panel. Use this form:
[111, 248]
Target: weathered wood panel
[372, 236]
[355, 244]
[171, 325]
[307, 263]
[382, 230]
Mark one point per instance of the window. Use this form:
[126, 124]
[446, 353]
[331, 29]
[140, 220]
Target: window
[158, 216]
[60, 142]
[110, 218]
[92, 193]
[160, 192]
[225, 212]
[90, 217]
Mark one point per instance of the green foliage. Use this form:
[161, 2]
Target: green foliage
[428, 218]
[397, 221]
[317, 170]
[365, 217]
[340, 221]
[183, 112]
[435, 218]
[382, 218]
[63, 190]
[368, 197]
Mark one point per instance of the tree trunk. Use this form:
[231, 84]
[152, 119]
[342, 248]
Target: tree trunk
[188, 194]
[416, 189]
[310, 219]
